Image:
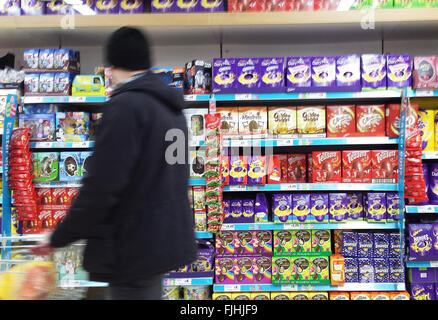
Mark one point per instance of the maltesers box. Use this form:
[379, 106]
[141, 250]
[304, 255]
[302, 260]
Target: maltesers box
[370, 120]
[341, 121]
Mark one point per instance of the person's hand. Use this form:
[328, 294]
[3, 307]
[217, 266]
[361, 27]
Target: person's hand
[43, 247]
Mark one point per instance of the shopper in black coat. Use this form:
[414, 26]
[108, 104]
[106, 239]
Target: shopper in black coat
[133, 207]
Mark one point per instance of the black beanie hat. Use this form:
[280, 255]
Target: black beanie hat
[128, 48]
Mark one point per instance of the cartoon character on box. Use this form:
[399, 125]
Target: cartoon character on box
[84, 157]
[72, 126]
[70, 166]
[42, 126]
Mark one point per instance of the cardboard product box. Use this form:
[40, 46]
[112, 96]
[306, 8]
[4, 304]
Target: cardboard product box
[400, 295]
[262, 269]
[326, 166]
[46, 166]
[381, 245]
[253, 120]
[318, 296]
[70, 166]
[283, 242]
[301, 268]
[72, 126]
[399, 71]
[339, 295]
[338, 207]
[281, 270]
[224, 75]
[197, 160]
[381, 270]
[324, 71]
[302, 242]
[420, 241]
[349, 244]
[282, 120]
[424, 291]
[224, 273]
[384, 166]
[279, 296]
[319, 269]
[272, 74]
[282, 208]
[351, 270]
[296, 168]
[376, 207]
[260, 295]
[42, 126]
[360, 296]
[356, 166]
[256, 170]
[299, 296]
[241, 296]
[196, 125]
[85, 158]
[425, 72]
[373, 69]
[262, 242]
[221, 296]
[355, 206]
[422, 275]
[301, 208]
[365, 245]
[225, 244]
[319, 207]
[321, 241]
[298, 74]
[348, 73]
[229, 120]
[274, 170]
[380, 296]
[248, 72]
[243, 270]
[341, 121]
[238, 170]
[370, 120]
[396, 271]
[311, 120]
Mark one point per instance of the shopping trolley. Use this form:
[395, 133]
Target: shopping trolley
[37, 272]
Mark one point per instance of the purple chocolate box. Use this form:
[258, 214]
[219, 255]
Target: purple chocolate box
[256, 168]
[324, 72]
[381, 245]
[243, 270]
[272, 75]
[425, 291]
[435, 239]
[106, 6]
[227, 211]
[261, 208]
[224, 75]
[224, 270]
[351, 270]
[396, 271]
[381, 270]
[349, 244]
[281, 208]
[10, 8]
[262, 242]
[186, 6]
[376, 207]
[301, 207]
[348, 73]
[399, 71]
[225, 243]
[204, 261]
[355, 206]
[32, 8]
[210, 6]
[338, 207]
[262, 269]
[365, 245]
[373, 71]
[161, 6]
[131, 6]
[248, 74]
[236, 207]
[319, 204]
[58, 8]
[394, 245]
[392, 207]
[421, 275]
[420, 241]
[298, 74]
[239, 166]
[244, 242]
[248, 211]
[366, 270]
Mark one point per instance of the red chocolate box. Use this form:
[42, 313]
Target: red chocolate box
[370, 120]
[341, 121]
[44, 196]
[296, 168]
[384, 166]
[274, 169]
[393, 119]
[326, 166]
[356, 166]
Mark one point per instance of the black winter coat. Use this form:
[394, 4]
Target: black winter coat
[133, 207]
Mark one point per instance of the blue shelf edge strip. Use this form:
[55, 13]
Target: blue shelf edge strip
[298, 226]
[314, 187]
[346, 287]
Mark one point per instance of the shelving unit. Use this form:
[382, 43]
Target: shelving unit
[314, 187]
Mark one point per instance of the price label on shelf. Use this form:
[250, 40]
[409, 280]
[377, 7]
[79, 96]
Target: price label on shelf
[434, 264]
[238, 188]
[243, 96]
[293, 226]
[33, 99]
[69, 283]
[289, 287]
[44, 144]
[82, 144]
[289, 187]
[315, 95]
[228, 227]
[77, 99]
[284, 142]
[427, 209]
[183, 282]
[425, 93]
[431, 155]
[190, 97]
[231, 288]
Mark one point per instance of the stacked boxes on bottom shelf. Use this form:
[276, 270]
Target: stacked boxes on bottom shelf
[372, 257]
[243, 257]
[423, 241]
[396, 295]
[301, 257]
[424, 283]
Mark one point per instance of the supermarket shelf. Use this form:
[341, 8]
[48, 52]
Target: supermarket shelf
[282, 142]
[58, 184]
[422, 93]
[62, 145]
[62, 99]
[308, 95]
[346, 287]
[422, 264]
[314, 187]
[430, 155]
[81, 283]
[197, 182]
[1, 169]
[422, 209]
[298, 226]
